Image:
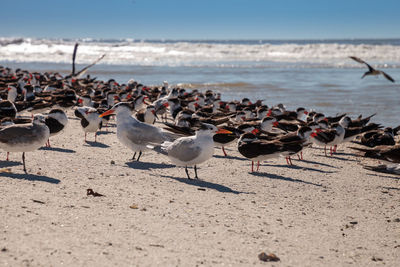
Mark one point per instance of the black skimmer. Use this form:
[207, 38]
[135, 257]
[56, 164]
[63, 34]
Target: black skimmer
[328, 137]
[378, 138]
[389, 153]
[140, 102]
[224, 139]
[262, 112]
[147, 115]
[352, 132]
[371, 70]
[359, 122]
[24, 137]
[133, 133]
[258, 150]
[297, 115]
[161, 103]
[192, 150]
[56, 120]
[90, 120]
[7, 109]
[295, 141]
[385, 168]
[12, 93]
[287, 126]
[174, 107]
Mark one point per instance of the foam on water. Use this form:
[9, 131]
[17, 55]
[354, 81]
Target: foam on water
[312, 74]
[223, 54]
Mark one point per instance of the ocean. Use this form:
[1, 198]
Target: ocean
[315, 74]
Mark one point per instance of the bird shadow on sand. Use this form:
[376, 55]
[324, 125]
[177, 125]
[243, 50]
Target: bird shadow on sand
[30, 177]
[4, 164]
[316, 163]
[296, 167]
[228, 157]
[380, 175]
[334, 157]
[390, 188]
[57, 149]
[205, 184]
[140, 165]
[279, 177]
[95, 144]
[105, 132]
[342, 153]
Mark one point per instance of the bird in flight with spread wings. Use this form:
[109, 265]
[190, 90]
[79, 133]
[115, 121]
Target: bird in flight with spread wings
[371, 70]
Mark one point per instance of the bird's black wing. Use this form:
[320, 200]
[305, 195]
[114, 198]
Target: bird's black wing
[359, 60]
[387, 76]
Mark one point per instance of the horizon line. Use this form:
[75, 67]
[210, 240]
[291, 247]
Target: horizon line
[209, 39]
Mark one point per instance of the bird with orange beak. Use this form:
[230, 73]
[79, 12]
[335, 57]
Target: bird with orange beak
[135, 134]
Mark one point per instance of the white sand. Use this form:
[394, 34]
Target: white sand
[303, 213]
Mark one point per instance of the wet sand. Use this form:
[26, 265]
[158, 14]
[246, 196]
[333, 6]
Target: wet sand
[323, 211]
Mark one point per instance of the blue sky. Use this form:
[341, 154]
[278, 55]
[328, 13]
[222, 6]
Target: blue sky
[201, 19]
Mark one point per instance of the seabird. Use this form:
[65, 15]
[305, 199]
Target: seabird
[147, 115]
[24, 137]
[133, 133]
[389, 153]
[329, 137]
[90, 120]
[56, 120]
[192, 150]
[371, 70]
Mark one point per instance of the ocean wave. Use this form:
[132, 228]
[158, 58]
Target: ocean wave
[200, 54]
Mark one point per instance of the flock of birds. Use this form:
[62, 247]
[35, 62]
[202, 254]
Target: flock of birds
[190, 123]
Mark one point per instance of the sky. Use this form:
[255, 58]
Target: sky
[201, 19]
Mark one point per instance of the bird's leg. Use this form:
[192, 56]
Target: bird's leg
[298, 156]
[252, 166]
[95, 137]
[85, 137]
[223, 150]
[258, 165]
[134, 155]
[140, 153]
[301, 153]
[8, 153]
[334, 148]
[290, 161]
[195, 172]
[287, 161]
[325, 151]
[23, 161]
[331, 151]
[187, 172]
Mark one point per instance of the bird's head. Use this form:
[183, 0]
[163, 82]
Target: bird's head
[209, 129]
[39, 119]
[118, 108]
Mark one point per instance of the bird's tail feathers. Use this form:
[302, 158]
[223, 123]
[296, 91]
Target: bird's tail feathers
[158, 148]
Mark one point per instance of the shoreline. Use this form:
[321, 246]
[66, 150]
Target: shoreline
[323, 211]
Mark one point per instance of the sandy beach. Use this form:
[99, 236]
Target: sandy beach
[323, 211]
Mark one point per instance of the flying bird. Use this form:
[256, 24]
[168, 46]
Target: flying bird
[371, 70]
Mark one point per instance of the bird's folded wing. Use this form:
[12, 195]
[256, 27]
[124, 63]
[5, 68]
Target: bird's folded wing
[12, 133]
[185, 149]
